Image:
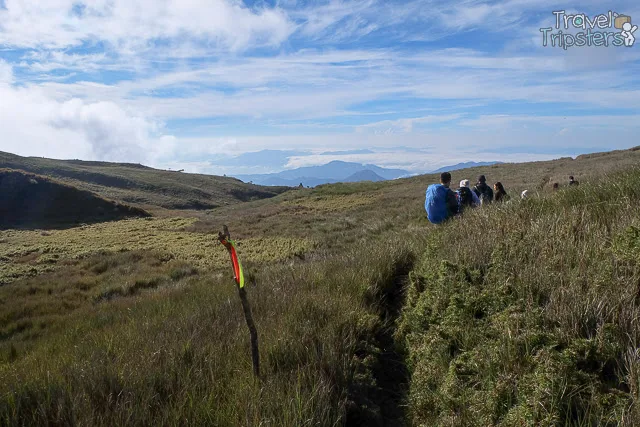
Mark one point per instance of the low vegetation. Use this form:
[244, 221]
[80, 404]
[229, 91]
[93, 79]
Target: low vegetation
[526, 313]
[516, 314]
[170, 346]
[30, 253]
[141, 186]
[28, 200]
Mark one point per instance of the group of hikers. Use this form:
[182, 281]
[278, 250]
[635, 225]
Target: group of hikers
[442, 203]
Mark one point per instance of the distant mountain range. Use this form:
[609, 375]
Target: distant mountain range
[332, 172]
[464, 166]
[339, 171]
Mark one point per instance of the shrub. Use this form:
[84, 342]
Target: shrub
[522, 314]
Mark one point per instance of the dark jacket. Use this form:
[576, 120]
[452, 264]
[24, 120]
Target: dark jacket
[452, 203]
[465, 198]
[482, 188]
[502, 197]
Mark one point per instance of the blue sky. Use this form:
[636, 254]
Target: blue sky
[201, 84]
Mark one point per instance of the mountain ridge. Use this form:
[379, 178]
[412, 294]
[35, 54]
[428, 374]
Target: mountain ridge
[334, 171]
[142, 186]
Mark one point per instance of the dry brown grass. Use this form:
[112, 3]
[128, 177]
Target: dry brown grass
[155, 335]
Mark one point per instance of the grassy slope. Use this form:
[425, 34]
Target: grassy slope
[526, 314]
[339, 215]
[154, 334]
[28, 200]
[172, 348]
[142, 186]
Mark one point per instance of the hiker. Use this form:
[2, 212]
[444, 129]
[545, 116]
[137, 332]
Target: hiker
[573, 181]
[465, 196]
[500, 194]
[524, 194]
[483, 191]
[440, 202]
[556, 186]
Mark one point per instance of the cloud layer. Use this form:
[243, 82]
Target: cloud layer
[171, 82]
[130, 26]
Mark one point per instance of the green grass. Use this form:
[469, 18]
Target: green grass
[526, 313]
[28, 200]
[143, 186]
[178, 353]
[29, 253]
[518, 314]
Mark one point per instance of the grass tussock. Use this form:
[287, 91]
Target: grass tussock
[517, 314]
[526, 313]
[31, 308]
[35, 252]
[180, 354]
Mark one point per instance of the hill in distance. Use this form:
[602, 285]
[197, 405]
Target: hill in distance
[143, 186]
[361, 176]
[332, 172]
[28, 200]
[365, 175]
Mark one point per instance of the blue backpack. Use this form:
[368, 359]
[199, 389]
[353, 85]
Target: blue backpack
[436, 203]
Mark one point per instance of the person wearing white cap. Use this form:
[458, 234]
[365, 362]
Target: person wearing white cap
[524, 194]
[474, 197]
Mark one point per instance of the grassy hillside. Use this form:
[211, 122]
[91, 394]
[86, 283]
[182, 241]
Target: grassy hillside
[526, 313]
[339, 215]
[138, 338]
[529, 322]
[143, 186]
[28, 200]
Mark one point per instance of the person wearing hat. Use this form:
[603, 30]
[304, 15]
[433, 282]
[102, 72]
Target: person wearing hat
[465, 183]
[483, 191]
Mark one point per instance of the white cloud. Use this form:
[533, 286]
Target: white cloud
[333, 21]
[130, 25]
[111, 132]
[45, 61]
[6, 73]
[312, 85]
[34, 123]
[423, 151]
[320, 18]
[196, 59]
[404, 125]
[630, 122]
[417, 162]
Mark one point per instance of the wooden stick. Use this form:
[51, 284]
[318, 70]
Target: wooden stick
[246, 308]
[253, 332]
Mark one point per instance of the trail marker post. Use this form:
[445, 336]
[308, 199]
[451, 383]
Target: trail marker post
[225, 238]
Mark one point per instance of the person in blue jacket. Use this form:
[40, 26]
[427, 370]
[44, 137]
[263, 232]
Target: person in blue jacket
[440, 201]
